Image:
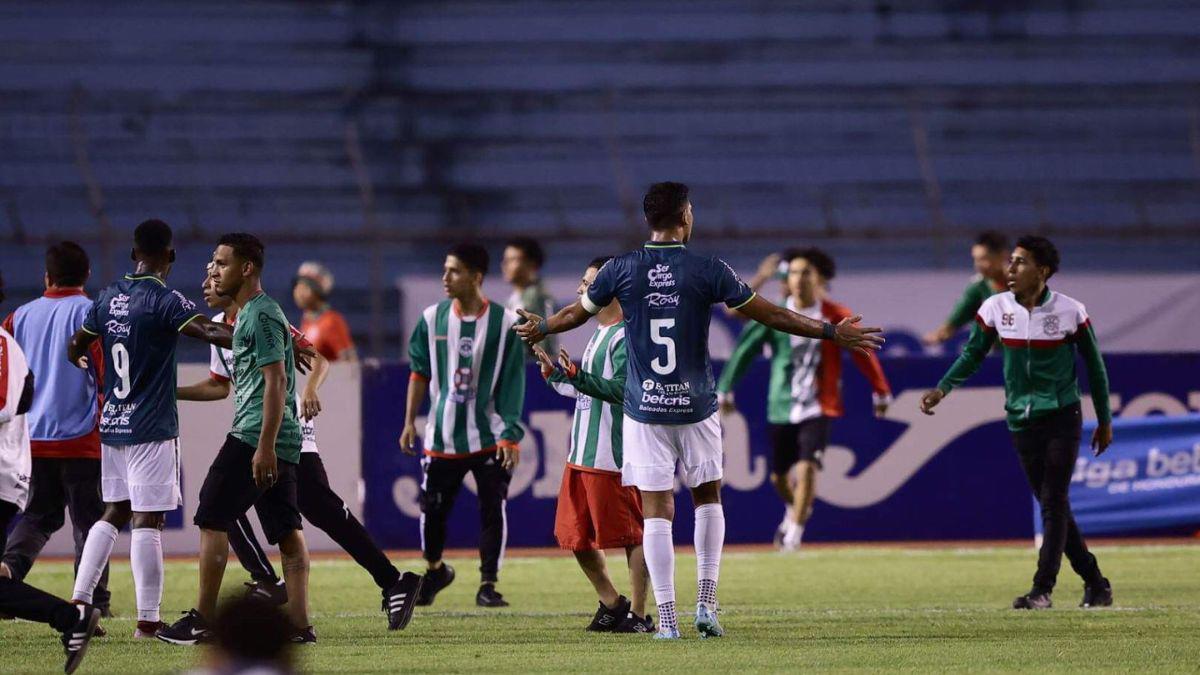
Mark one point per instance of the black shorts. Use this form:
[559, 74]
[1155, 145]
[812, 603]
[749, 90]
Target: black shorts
[229, 491]
[794, 442]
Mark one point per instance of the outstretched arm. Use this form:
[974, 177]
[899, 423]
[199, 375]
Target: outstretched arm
[209, 389]
[213, 333]
[978, 345]
[535, 329]
[749, 345]
[846, 334]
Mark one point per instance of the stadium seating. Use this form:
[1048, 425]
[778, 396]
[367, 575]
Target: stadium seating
[849, 122]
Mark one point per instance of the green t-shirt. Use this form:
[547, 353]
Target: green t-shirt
[260, 338]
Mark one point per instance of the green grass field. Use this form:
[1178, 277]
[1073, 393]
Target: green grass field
[830, 609]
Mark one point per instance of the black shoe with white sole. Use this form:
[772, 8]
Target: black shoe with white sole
[305, 636]
[1099, 595]
[400, 599]
[75, 641]
[1033, 600]
[191, 629]
[488, 596]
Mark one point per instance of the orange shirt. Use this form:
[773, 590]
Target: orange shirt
[329, 333]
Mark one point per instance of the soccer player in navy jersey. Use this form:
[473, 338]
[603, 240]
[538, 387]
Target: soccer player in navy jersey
[666, 293]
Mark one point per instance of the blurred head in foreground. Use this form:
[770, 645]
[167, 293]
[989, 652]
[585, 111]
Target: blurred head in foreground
[250, 636]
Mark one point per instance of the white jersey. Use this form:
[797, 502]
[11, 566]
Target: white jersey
[596, 426]
[220, 367]
[15, 461]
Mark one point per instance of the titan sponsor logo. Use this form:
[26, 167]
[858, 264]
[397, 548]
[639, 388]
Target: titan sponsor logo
[675, 395]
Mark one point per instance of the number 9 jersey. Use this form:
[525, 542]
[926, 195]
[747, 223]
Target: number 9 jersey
[667, 294]
[138, 320]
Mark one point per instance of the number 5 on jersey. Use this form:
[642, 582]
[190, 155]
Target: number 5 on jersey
[657, 326]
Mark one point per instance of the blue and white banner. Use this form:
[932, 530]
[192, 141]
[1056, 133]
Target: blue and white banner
[1149, 478]
[908, 476]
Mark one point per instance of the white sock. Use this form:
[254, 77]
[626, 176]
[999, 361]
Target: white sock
[96, 551]
[659, 548]
[146, 559]
[709, 539]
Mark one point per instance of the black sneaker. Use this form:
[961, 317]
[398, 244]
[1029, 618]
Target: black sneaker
[1033, 600]
[606, 620]
[271, 592]
[632, 623]
[433, 583]
[400, 599]
[488, 596]
[306, 636]
[191, 629]
[1097, 596]
[75, 641]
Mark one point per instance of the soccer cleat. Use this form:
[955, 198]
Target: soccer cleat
[707, 623]
[191, 629]
[99, 632]
[606, 620]
[488, 596]
[433, 583]
[632, 623]
[1097, 596]
[400, 600]
[75, 641]
[147, 629]
[667, 634]
[271, 592]
[1033, 600]
[306, 636]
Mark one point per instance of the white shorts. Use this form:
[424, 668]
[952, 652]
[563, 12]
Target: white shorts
[144, 474]
[651, 450]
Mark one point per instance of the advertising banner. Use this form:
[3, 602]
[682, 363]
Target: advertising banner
[908, 476]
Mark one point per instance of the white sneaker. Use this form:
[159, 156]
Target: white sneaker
[792, 538]
[782, 529]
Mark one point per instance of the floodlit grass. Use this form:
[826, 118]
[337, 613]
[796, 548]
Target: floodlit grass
[830, 609]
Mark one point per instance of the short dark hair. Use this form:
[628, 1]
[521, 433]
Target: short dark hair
[67, 264]
[599, 262]
[791, 253]
[250, 630]
[245, 246]
[1044, 253]
[152, 237]
[664, 204]
[820, 260]
[530, 248]
[993, 241]
[474, 256]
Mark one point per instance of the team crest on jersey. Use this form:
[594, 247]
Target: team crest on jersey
[119, 305]
[1050, 325]
[660, 276]
[583, 403]
[462, 386]
[466, 346]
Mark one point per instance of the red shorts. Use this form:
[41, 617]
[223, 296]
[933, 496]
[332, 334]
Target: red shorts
[595, 512]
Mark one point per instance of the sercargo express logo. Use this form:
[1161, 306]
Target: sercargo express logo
[119, 305]
[662, 300]
[660, 277]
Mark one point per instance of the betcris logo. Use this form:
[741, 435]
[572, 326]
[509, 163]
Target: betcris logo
[662, 300]
[660, 276]
[671, 395]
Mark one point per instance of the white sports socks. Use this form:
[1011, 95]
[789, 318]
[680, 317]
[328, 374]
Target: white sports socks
[146, 559]
[709, 540]
[659, 549]
[96, 551]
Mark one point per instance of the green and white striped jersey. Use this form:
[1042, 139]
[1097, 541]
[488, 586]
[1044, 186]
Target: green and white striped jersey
[599, 392]
[475, 367]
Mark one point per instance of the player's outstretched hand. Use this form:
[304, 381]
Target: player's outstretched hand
[408, 440]
[866, 339]
[1102, 437]
[266, 469]
[564, 361]
[930, 400]
[544, 361]
[528, 331]
[509, 456]
[304, 357]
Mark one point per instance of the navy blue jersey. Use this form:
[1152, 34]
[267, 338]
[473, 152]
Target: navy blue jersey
[666, 294]
[138, 320]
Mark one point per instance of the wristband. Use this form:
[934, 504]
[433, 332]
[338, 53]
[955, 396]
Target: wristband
[543, 327]
[828, 331]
